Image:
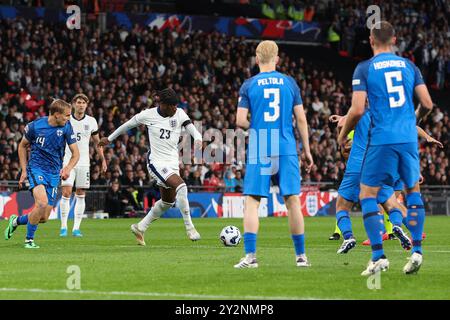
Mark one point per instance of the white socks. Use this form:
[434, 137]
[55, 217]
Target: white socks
[80, 205]
[155, 213]
[64, 208]
[183, 204]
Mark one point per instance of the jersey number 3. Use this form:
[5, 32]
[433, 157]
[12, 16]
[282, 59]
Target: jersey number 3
[274, 104]
[391, 88]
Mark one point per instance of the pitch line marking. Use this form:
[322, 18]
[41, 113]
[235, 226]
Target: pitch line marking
[157, 294]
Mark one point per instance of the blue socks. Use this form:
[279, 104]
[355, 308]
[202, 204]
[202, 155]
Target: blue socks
[373, 223]
[22, 220]
[31, 229]
[250, 243]
[299, 243]
[415, 220]
[344, 223]
[395, 216]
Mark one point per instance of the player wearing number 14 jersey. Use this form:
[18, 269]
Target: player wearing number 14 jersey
[272, 98]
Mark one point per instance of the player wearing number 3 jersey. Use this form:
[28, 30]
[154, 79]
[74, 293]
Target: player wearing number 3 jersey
[272, 98]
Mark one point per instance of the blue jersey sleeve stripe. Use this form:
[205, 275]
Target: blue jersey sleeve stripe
[243, 101]
[418, 79]
[359, 80]
[296, 90]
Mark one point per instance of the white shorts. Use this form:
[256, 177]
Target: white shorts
[161, 172]
[79, 175]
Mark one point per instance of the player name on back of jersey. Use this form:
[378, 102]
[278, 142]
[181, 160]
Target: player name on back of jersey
[389, 64]
[268, 81]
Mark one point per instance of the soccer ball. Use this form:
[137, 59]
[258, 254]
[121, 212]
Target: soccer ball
[230, 236]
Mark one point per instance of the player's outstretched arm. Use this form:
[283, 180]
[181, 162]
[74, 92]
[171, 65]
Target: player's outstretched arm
[302, 126]
[428, 138]
[99, 150]
[354, 114]
[130, 124]
[22, 151]
[65, 172]
[242, 118]
[195, 134]
[426, 104]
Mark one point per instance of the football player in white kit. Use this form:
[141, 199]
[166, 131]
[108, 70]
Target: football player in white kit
[164, 125]
[84, 127]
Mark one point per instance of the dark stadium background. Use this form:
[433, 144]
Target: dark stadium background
[423, 28]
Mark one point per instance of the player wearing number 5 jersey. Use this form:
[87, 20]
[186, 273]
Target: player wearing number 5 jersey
[164, 125]
[272, 98]
[389, 83]
[47, 138]
[85, 127]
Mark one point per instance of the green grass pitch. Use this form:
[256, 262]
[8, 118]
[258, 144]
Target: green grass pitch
[112, 266]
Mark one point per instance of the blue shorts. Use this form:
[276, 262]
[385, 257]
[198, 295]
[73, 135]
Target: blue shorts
[384, 164]
[350, 188]
[50, 181]
[258, 175]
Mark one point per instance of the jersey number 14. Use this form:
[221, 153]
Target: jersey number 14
[391, 88]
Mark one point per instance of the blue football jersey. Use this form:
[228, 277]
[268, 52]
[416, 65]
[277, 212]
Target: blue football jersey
[48, 144]
[359, 145]
[389, 81]
[270, 98]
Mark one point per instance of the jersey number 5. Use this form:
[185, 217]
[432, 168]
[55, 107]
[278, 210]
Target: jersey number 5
[397, 75]
[275, 104]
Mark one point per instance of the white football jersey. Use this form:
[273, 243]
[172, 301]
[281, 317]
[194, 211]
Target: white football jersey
[83, 129]
[163, 133]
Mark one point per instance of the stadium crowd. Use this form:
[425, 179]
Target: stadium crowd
[120, 71]
[422, 30]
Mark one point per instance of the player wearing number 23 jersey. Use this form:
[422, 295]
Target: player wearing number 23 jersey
[389, 81]
[271, 98]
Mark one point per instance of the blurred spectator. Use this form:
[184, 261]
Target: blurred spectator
[239, 182]
[230, 182]
[120, 70]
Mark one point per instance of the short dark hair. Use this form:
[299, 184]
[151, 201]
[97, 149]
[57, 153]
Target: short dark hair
[383, 32]
[81, 96]
[58, 106]
[168, 96]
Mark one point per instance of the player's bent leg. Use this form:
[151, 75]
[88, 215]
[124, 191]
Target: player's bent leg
[415, 220]
[39, 211]
[373, 220]
[177, 184]
[80, 206]
[344, 223]
[155, 213]
[297, 229]
[251, 226]
[64, 208]
[394, 210]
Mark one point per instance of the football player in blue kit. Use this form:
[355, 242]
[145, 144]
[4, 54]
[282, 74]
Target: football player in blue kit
[272, 98]
[47, 137]
[349, 189]
[389, 83]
